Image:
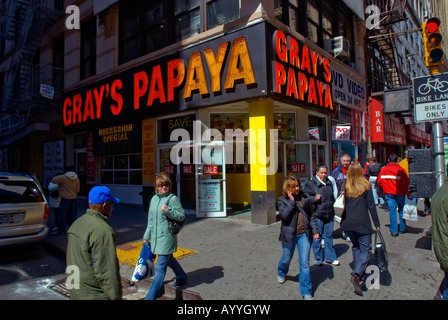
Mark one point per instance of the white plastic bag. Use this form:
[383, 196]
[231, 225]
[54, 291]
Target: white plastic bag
[410, 211]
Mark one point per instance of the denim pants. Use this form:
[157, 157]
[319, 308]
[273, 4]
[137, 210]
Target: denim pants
[164, 261]
[376, 199]
[303, 247]
[362, 244]
[67, 212]
[394, 202]
[443, 289]
[326, 233]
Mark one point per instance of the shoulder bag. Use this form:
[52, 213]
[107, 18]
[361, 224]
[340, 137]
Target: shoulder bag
[339, 204]
[381, 259]
[174, 226]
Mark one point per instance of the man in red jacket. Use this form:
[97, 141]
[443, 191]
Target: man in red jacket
[394, 181]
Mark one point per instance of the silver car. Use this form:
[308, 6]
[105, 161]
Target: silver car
[24, 210]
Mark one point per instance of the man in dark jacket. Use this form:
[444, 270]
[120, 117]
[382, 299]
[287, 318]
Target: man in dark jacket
[319, 191]
[92, 250]
[439, 215]
[340, 174]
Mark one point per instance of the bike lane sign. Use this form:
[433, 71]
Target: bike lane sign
[431, 97]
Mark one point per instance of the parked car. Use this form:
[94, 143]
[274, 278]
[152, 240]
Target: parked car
[24, 210]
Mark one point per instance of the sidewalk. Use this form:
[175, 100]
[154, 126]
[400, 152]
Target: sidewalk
[237, 260]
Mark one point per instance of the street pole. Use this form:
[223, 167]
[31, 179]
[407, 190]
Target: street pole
[437, 143]
[439, 159]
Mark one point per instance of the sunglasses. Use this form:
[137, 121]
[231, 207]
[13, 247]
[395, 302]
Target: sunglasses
[167, 185]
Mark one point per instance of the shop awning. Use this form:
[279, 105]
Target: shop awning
[416, 135]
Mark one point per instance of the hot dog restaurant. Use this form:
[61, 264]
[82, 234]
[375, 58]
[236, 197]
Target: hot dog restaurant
[257, 82]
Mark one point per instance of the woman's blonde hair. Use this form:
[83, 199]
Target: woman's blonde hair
[162, 178]
[356, 183]
[290, 183]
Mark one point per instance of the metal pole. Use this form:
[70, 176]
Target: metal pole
[439, 158]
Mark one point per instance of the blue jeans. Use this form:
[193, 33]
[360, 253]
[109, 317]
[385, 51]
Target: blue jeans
[67, 209]
[326, 232]
[362, 244]
[376, 199]
[444, 287]
[303, 247]
[164, 261]
[394, 202]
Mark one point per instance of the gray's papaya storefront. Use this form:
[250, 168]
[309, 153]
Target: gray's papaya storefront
[227, 119]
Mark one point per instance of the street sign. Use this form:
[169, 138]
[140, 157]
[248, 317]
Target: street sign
[431, 98]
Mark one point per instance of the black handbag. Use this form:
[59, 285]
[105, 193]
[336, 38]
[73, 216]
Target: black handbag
[381, 259]
[174, 226]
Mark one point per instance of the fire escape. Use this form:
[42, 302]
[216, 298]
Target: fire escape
[381, 43]
[23, 22]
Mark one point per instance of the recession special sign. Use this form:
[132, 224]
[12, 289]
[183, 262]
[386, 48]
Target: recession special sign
[222, 70]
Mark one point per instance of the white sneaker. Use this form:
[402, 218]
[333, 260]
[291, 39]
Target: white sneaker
[307, 297]
[281, 279]
[334, 263]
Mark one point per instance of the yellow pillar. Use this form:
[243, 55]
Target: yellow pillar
[263, 162]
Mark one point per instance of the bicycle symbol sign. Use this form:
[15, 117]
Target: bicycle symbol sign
[431, 97]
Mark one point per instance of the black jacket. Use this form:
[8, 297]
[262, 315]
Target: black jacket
[289, 211]
[322, 209]
[374, 170]
[356, 215]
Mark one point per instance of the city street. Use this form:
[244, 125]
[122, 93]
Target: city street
[234, 259]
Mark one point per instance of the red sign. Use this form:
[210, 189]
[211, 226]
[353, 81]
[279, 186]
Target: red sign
[187, 169]
[385, 128]
[210, 170]
[169, 169]
[298, 168]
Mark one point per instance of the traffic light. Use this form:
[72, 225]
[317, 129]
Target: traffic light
[432, 43]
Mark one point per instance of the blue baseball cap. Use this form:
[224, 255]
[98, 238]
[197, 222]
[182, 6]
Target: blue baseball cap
[100, 194]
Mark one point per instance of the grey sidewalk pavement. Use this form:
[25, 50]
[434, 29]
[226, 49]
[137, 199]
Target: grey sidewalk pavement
[238, 260]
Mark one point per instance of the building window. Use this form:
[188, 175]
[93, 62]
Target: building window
[142, 29]
[88, 48]
[188, 19]
[222, 11]
[121, 169]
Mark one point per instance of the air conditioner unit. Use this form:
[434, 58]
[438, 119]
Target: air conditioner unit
[338, 46]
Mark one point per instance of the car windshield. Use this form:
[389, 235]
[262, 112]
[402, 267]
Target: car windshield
[19, 192]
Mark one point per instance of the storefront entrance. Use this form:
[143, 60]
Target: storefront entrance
[200, 187]
[300, 158]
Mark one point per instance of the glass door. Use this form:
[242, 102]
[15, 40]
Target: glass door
[297, 160]
[211, 180]
[182, 177]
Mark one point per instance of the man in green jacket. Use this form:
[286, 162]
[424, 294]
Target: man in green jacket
[91, 251]
[439, 213]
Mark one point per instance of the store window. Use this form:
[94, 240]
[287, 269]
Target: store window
[285, 123]
[222, 11]
[240, 147]
[121, 169]
[317, 128]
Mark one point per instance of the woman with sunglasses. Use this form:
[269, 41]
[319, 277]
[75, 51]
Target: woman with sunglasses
[162, 242]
